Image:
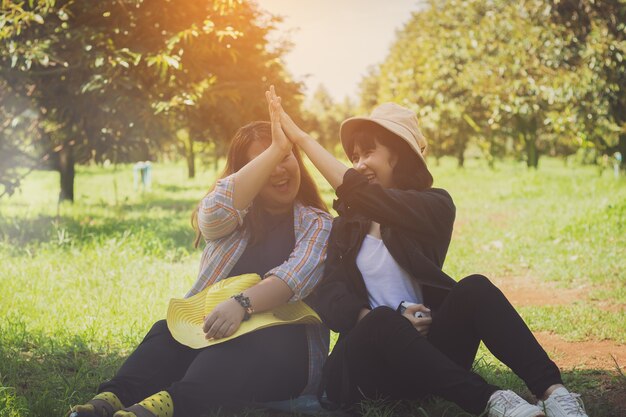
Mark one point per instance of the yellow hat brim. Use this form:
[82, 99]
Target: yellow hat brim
[185, 317]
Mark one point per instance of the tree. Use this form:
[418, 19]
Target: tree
[505, 75]
[13, 143]
[324, 116]
[597, 53]
[368, 89]
[116, 77]
[429, 70]
[241, 68]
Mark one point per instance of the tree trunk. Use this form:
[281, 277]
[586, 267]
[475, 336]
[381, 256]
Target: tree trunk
[460, 154]
[532, 154]
[191, 159]
[66, 170]
[461, 158]
[492, 153]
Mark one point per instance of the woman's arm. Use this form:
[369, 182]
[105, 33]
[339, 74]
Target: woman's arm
[337, 305]
[332, 169]
[334, 299]
[217, 216]
[226, 317]
[254, 175]
[304, 268]
[430, 212]
[290, 281]
[223, 210]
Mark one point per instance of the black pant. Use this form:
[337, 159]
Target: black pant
[265, 365]
[384, 356]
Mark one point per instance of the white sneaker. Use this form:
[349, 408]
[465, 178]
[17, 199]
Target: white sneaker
[562, 403]
[509, 404]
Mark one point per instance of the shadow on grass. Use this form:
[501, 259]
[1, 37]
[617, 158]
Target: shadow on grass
[603, 393]
[173, 188]
[42, 376]
[165, 232]
[182, 206]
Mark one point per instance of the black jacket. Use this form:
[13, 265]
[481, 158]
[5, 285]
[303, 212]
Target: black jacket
[416, 227]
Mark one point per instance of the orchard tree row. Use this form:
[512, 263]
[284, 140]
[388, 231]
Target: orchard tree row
[521, 78]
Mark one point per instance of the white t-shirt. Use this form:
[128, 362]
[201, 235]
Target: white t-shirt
[386, 282]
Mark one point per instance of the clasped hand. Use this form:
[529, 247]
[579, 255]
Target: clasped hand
[421, 324]
[278, 115]
[224, 320]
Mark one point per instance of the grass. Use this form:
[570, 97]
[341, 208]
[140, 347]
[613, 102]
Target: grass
[82, 283]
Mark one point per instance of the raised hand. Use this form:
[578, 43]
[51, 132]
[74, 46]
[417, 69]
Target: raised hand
[332, 169]
[291, 129]
[278, 135]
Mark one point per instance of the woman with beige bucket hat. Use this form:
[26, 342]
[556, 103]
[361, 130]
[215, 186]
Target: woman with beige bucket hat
[408, 330]
[263, 218]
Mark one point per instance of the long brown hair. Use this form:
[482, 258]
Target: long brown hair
[237, 158]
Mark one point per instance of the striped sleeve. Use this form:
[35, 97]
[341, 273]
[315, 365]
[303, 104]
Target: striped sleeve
[305, 266]
[216, 215]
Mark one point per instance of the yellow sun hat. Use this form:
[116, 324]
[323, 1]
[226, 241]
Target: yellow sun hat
[185, 316]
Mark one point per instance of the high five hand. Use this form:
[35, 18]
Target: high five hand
[278, 136]
[293, 132]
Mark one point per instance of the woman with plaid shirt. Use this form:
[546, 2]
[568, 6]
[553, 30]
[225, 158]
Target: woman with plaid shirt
[265, 216]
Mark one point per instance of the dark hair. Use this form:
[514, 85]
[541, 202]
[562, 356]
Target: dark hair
[410, 173]
[237, 158]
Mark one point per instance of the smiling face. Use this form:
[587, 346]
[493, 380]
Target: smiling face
[280, 191]
[376, 161]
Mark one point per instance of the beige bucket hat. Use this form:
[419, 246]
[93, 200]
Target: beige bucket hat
[399, 120]
[185, 317]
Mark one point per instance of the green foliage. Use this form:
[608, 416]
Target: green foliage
[323, 117]
[114, 80]
[517, 78]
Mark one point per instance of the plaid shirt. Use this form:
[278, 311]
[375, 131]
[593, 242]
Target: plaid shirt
[220, 222]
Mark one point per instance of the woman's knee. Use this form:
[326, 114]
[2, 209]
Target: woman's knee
[380, 316]
[383, 324]
[380, 330]
[476, 282]
[159, 326]
[160, 331]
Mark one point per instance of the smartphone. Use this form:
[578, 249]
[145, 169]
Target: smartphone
[404, 304]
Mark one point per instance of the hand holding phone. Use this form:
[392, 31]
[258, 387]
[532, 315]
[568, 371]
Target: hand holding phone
[423, 311]
[421, 319]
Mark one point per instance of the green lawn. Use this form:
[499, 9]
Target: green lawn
[82, 283]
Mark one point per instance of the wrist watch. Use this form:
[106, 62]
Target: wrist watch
[245, 303]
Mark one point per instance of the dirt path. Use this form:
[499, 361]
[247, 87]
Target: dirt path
[605, 354]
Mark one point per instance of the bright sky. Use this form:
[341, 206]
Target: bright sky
[335, 41]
